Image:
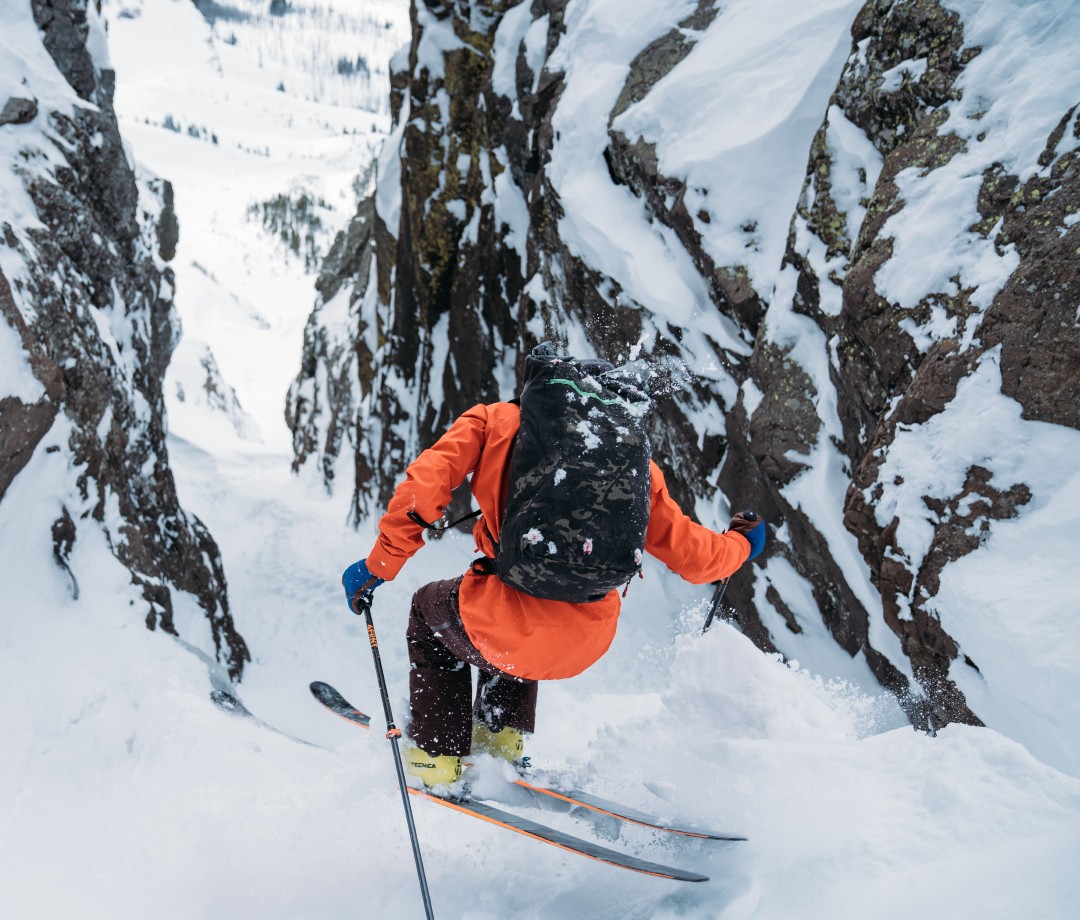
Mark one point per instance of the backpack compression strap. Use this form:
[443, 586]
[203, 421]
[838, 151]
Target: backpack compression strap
[439, 525]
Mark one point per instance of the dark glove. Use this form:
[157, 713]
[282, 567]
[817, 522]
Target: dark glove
[751, 526]
[358, 582]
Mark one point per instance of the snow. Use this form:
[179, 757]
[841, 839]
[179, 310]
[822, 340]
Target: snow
[508, 37]
[511, 210]
[237, 294]
[388, 190]
[605, 223]
[436, 39]
[819, 490]
[155, 802]
[1027, 68]
[201, 403]
[856, 165]
[590, 439]
[905, 71]
[536, 41]
[814, 648]
[26, 72]
[745, 146]
[1011, 96]
[16, 378]
[1007, 605]
[735, 118]
[125, 793]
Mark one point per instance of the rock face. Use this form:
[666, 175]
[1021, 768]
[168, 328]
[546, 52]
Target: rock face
[91, 306]
[901, 285]
[18, 111]
[323, 401]
[895, 363]
[471, 271]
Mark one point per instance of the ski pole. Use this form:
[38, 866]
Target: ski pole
[719, 596]
[362, 604]
[714, 609]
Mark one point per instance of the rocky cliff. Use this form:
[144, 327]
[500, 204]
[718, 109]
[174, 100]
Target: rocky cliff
[916, 258]
[470, 269]
[89, 325]
[630, 184]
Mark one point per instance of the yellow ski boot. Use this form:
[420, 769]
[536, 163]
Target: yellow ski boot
[432, 771]
[506, 743]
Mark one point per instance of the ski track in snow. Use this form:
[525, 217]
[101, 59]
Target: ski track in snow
[125, 793]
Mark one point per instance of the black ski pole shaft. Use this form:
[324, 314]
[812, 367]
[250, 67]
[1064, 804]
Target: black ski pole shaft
[718, 598]
[715, 608]
[393, 735]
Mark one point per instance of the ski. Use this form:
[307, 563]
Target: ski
[622, 812]
[563, 841]
[540, 795]
[338, 705]
[229, 704]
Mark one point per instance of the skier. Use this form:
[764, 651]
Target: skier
[514, 639]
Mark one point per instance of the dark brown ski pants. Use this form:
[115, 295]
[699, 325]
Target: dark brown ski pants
[440, 681]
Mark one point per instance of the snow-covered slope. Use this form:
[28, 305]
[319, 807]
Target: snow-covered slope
[263, 177]
[152, 801]
[125, 793]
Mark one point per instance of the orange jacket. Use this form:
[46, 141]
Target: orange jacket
[520, 634]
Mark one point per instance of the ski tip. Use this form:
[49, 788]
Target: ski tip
[622, 812]
[337, 704]
[683, 876]
[228, 703]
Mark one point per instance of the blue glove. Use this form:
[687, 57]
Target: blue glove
[751, 526]
[358, 582]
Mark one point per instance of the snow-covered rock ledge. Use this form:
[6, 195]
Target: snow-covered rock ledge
[88, 329]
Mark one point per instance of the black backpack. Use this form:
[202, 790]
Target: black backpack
[578, 482]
